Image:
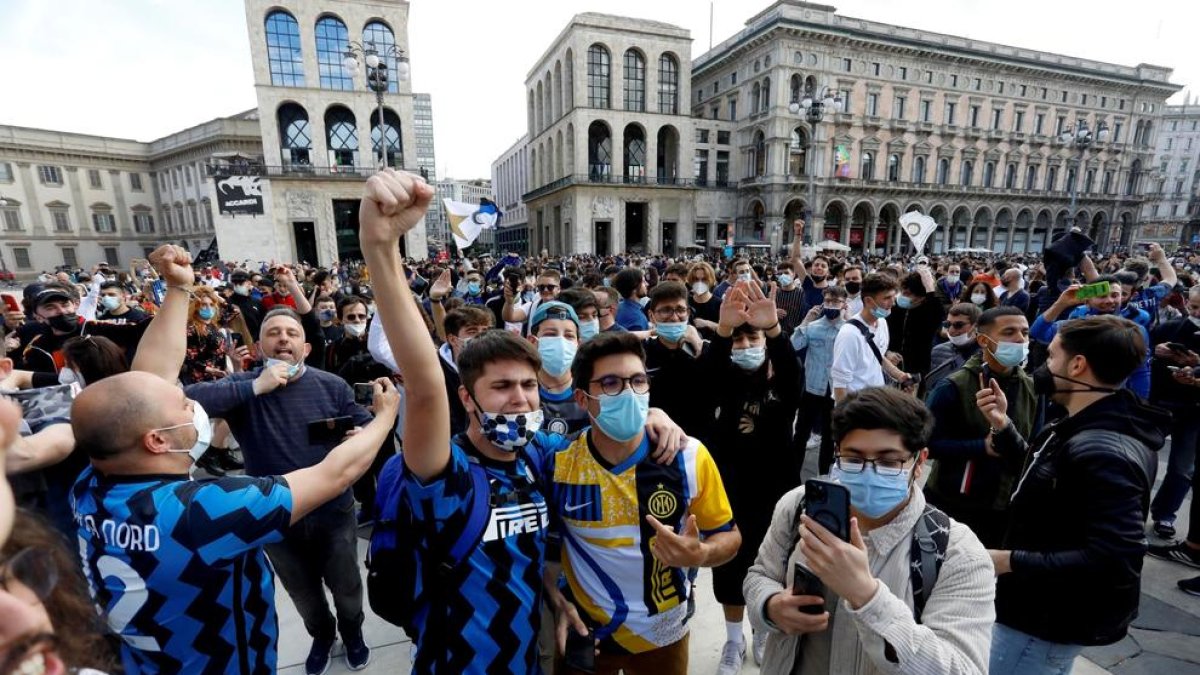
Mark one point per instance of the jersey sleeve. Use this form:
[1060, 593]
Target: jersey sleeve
[443, 503]
[226, 517]
[711, 504]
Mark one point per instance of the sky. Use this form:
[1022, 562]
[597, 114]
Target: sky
[143, 69]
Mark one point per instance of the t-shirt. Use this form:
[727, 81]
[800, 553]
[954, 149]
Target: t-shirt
[178, 568]
[631, 315]
[493, 614]
[813, 296]
[635, 602]
[792, 302]
[560, 413]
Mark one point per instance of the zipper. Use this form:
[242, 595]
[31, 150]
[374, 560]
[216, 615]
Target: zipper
[239, 618]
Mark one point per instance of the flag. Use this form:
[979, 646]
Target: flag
[468, 220]
[918, 227]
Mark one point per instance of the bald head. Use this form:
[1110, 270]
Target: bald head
[110, 417]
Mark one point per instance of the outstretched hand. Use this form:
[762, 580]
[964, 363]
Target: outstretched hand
[761, 312]
[393, 203]
[173, 264]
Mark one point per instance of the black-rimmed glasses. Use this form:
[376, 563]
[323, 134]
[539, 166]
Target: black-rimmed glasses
[613, 384]
[883, 467]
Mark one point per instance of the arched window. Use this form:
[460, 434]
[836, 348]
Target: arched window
[635, 81]
[918, 175]
[378, 34]
[332, 41]
[766, 94]
[599, 151]
[668, 155]
[668, 85]
[284, 56]
[391, 132]
[755, 97]
[295, 135]
[798, 153]
[867, 166]
[968, 172]
[989, 173]
[599, 77]
[635, 154]
[341, 136]
[797, 88]
[1010, 176]
[943, 172]
[893, 168]
[759, 153]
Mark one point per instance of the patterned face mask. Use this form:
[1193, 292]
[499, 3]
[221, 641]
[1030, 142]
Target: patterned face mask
[510, 431]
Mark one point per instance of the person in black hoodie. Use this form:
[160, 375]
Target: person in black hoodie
[1070, 574]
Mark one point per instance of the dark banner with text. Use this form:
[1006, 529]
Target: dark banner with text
[239, 195]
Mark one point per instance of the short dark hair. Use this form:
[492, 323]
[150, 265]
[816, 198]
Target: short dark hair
[967, 309]
[490, 347]
[471, 315]
[349, 301]
[666, 291]
[1113, 346]
[578, 298]
[604, 344]
[627, 281]
[95, 357]
[678, 269]
[280, 310]
[324, 298]
[874, 284]
[112, 283]
[885, 409]
[834, 293]
[914, 284]
[785, 265]
[992, 315]
[319, 277]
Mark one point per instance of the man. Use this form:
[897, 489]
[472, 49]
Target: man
[852, 279]
[631, 527]
[972, 481]
[916, 320]
[607, 300]
[630, 284]
[673, 355]
[56, 308]
[548, 284]
[1014, 295]
[858, 351]
[353, 318]
[327, 283]
[327, 318]
[583, 301]
[815, 338]
[1078, 512]
[554, 331]
[472, 292]
[753, 372]
[1147, 297]
[871, 621]
[814, 281]
[950, 286]
[114, 305]
[251, 308]
[959, 347]
[190, 559]
[790, 297]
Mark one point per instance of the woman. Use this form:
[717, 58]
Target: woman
[980, 294]
[706, 308]
[207, 354]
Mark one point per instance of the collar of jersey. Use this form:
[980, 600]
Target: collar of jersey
[638, 455]
[551, 396]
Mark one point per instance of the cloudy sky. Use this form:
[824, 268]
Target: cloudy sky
[146, 68]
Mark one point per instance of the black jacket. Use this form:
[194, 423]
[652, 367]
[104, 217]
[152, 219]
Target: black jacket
[1077, 523]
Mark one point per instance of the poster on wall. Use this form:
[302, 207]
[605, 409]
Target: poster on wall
[239, 195]
[841, 162]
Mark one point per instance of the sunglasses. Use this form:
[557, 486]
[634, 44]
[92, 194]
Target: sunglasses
[547, 288]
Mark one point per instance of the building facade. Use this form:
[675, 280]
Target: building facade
[510, 181]
[1172, 214]
[436, 226]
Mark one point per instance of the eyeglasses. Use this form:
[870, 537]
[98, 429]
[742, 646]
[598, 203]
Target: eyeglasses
[34, 568]
[613, 384]
[883, 467]
[956, 325]
[546, 288]
[669, 312]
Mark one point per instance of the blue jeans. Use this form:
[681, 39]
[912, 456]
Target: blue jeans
[1185, 433]
[1017, 653]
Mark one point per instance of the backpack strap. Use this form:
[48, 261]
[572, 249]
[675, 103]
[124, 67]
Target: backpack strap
[477, 519]
[868, 336]
[931, 538]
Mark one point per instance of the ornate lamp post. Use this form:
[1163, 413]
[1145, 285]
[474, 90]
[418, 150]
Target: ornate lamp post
[377, 78]
[1080, 137]
[814, 108]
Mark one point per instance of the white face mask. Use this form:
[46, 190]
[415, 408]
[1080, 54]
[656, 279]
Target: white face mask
[978, 298]
[699, 288]
[203, 432]
[961, 340]
[355, 329]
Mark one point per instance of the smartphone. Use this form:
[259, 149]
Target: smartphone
[1095, 290]
[828, 504]
[364, 393]
[807, 583]
[329, 430]
[11, 304]
[581, 651]
[237, 338]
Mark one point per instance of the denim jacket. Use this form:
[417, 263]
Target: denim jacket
[818, 337]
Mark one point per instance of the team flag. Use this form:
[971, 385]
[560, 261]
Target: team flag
[468, 220]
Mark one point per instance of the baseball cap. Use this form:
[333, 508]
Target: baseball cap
[552, 310]
[54, 291]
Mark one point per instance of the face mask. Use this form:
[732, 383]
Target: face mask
[1044, 383]
[588, 329]
[699, 288]
[606, 282]
[671, 332]
[853, 287]
[817, 278]
[903, 302]
[68, 376]
[354, 329]
[871, 494]
[961, 340]
[203, 432]
[510, 431]
[241, 290]
[744, 277]
[978, 298]
[326, 314]
[206, 313]
[1010, 354]
[750, 358]
[473, 287]
[110, 302]
[880, 313]
[785, 280]
[64, 323]
[623, 416]
[293, 368]
[831, 313]
[558, 353]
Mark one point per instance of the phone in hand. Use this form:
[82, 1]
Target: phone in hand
[828, 504]
[807, 583]
[329, 430]
[364, 393]
[581, 651]
[1096, 290]
[237, 338]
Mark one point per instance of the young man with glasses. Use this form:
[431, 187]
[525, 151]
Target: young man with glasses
[632, 527]
[674, 355]
[959, 347]
[548, 283]
[870, 621]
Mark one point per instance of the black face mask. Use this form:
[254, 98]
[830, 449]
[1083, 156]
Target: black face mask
[853, 287]
[831, 313]
[1044, 384]
[817, 278]
[64, 323]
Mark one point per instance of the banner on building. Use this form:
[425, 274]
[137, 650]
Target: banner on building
[239, 195]
[841, 161]
[468, 220]
[918, 227]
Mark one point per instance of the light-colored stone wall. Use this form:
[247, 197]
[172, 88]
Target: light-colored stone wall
[1172, 214]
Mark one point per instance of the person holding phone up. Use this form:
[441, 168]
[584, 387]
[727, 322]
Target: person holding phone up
[872, 620]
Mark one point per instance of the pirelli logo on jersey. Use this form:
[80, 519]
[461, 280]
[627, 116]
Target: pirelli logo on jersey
[510, 521]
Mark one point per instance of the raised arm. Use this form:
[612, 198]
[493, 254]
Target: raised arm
[1166, 271]
[393, 203]
[798, 250]
[288, 277]
[164, 344]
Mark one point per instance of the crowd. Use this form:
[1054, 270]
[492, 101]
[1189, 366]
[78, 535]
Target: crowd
[548, 448]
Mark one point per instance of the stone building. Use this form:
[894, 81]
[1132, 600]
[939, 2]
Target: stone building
[1172, 213]
[510, 181]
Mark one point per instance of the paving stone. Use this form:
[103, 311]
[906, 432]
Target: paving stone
[1155, 664]
[1108, 656]
[1172, 644]
[1154, 614]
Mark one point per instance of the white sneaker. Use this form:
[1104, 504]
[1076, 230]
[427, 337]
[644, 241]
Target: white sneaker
[732, 657]
[758, 646]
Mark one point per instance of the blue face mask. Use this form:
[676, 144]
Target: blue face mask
[473, 287]
[785, 280]
[623, 416]
[750, 358]
[293, 368]
[326, 314]
[1010, 354]
[903, 301]
[206, 313]
[880, 313]
[588, 329]
[871, 494]
[671, 332]
[558, 353]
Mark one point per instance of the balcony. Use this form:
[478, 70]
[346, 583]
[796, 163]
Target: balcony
[647, 182]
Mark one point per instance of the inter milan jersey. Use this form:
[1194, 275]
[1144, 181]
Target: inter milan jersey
[636, 603]
[489, 622]
[561, 415]
[178, 568]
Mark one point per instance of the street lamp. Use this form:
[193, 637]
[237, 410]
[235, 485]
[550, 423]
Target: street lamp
[1080, 137]
[377, 78]
[814, 107]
